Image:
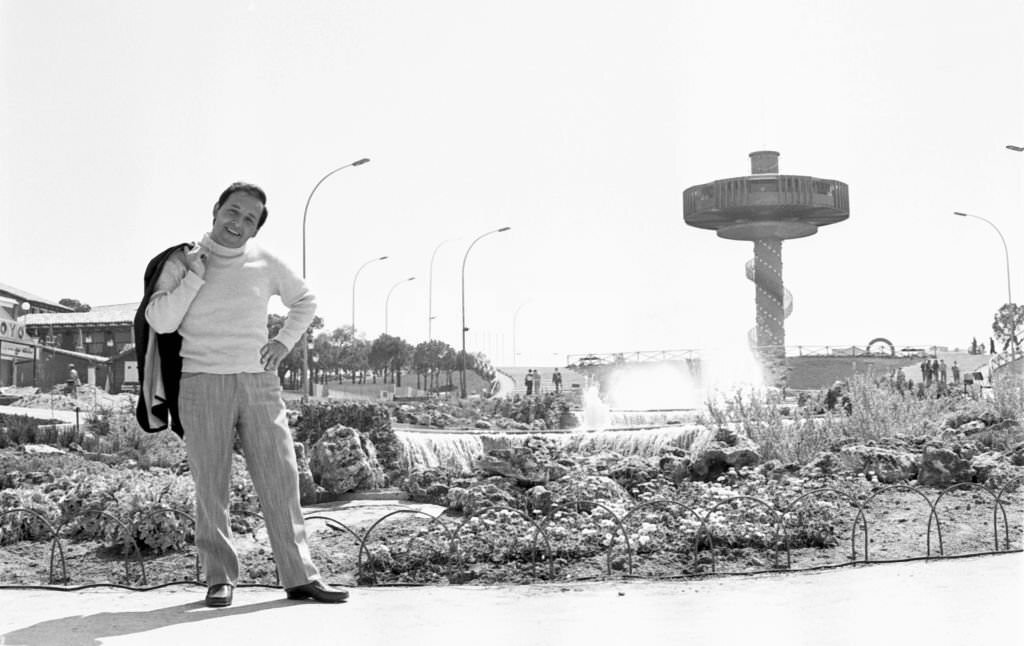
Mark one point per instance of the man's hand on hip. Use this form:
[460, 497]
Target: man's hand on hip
[272, 354]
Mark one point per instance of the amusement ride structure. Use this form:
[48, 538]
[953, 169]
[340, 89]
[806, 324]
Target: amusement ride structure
[767, 208]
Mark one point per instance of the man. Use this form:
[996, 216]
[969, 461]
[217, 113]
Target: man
[214, 294]
[73, 381]
[529, 382]
[556, 379]
[956, 373]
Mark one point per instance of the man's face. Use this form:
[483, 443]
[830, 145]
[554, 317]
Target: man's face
[236, 220]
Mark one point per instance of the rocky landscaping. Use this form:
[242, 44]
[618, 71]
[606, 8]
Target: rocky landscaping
[751, 485]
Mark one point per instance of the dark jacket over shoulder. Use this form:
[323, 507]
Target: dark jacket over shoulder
[159, 357]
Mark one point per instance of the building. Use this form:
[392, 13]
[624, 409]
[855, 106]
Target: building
[101, 338]
[18, 354]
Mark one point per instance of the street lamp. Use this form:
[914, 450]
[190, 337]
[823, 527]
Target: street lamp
[388, 300]
[462, 370]
[307, 388]
[1009, 296]
[430, 291]
[514, 317]
[354, 278]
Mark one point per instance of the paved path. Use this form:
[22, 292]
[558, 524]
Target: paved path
[67, 416]
[964, 601]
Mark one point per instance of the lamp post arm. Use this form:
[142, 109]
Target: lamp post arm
[1006, 250]
[1006, 253]
[430, 290]
[305, 210]
[462, 372]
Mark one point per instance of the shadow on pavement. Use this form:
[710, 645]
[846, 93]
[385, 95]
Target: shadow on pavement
[88, 630]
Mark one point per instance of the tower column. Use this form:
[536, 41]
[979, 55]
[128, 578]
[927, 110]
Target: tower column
[770, 299]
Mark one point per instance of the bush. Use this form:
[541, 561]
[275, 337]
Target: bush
[372, 420]
[20, 429]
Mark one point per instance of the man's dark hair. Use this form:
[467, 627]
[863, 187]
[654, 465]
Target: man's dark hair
[248, 189]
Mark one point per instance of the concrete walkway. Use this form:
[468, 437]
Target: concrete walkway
[963, 601]
[66, 416]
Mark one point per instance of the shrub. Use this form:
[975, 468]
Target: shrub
[372, 420]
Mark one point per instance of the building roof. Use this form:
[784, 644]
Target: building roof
[123, 313]
[36, 301]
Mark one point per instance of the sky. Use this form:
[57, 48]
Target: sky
[578, 124]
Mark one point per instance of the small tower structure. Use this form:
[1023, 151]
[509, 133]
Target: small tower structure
[767, 208]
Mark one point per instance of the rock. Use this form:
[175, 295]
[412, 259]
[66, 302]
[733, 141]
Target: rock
[675, 468]
[727, 450]
[941, 467]
[823, 464]
[970, 428]
[632, 471]
[588, 488]
[991, 467]
[518, 463]
[307, 486]
[540, 499]
[428, 485]
[342, 461]
[41, 449]
[479, 496]
[1016, 455]
[889, 465]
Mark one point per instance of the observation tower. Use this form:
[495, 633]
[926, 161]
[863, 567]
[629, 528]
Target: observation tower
[767, 208]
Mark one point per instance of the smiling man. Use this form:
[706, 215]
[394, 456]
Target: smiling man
[214, 294]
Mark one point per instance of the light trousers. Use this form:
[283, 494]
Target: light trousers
[212, 408]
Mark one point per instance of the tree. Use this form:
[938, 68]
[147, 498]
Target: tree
[354, 358]
[428, 359]
[1008, 325]
[75, 305]
[291, 366]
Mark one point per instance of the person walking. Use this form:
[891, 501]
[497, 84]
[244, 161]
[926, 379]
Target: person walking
[529, 382]
[955, 370]
[556, 380]
[943, 372]
[213, 295]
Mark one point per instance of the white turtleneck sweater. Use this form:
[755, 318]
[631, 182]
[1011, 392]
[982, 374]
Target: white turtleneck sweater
[222, 317]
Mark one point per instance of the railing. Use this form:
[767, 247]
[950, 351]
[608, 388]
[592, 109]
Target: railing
[1004, 359]
[783, 520]
[689, 354]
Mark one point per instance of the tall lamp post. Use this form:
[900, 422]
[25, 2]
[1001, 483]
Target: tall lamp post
[307, 386]
[462, 368]
[1006, 251]
[387, 300]
[515, 361]
[354, 278]
[430, 291]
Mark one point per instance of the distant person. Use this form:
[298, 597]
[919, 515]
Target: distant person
[943, 372]
[926, 372]
[955, 369]
[529, 382]
[835, 397]
[73, 381]
[556, 379]
[536, 382]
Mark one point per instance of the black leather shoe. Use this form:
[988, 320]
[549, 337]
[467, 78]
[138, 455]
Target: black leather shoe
[317, 591]
[219, 595]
